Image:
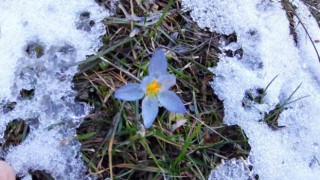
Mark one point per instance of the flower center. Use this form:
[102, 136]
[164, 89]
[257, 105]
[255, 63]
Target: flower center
[153, 88]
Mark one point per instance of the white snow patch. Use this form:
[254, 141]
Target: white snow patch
[262, 30]
[67, 31]
[232, 169]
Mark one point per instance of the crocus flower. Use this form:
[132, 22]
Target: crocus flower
[154, 89]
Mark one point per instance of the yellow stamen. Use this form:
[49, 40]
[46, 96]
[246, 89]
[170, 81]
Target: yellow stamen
[153, 88]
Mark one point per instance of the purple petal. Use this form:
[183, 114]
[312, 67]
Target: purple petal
[129, 92]
[172, 102]
[158, 63]
[150, 110]
[167, 81]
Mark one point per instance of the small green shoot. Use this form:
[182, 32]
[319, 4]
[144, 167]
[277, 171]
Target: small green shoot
[271, 118]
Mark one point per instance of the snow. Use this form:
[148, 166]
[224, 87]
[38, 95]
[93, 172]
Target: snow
[269, 51]
[232, 169]
[39, 40]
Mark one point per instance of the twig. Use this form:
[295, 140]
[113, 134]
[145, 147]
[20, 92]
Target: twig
[132, 13]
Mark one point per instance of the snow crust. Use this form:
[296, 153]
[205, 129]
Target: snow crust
[39, 40]
[262, 30]
[232, 169]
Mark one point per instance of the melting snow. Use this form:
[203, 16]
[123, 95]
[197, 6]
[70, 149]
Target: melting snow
[263, 34]
[38, 42]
